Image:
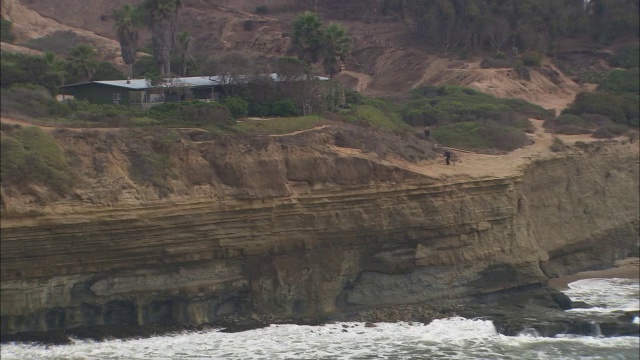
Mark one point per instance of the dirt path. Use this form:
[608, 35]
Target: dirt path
[474, 165]
[363, 80]
[469, 164]
[99, 129]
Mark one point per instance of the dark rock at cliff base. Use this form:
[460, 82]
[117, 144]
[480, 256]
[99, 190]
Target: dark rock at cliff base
[553, 324]
[580, 305]
[42, 337]
[542, 312]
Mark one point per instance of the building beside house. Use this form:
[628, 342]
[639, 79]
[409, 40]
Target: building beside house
[145, 93]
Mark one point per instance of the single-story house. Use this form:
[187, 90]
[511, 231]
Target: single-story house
[141, 92]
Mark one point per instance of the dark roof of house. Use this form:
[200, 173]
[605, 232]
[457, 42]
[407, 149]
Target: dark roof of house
[194, 81]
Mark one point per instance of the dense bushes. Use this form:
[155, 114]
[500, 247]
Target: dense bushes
[481, 135]
[5, 31]
[469, 119]
[285, 107]
[622, 81]
[31, 155]
[627, 57]
[33, 101]
[191, 113]
[611, 110]
[238, 107]
[620, 108]
[531, 59]
[450, 104]
[21, 69]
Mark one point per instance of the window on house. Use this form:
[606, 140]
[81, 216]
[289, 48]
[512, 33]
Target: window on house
[116, 96]
[116, 102]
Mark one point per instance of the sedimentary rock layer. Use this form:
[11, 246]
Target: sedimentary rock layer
[292, 231]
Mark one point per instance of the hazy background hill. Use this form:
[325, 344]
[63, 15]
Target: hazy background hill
[396, 47]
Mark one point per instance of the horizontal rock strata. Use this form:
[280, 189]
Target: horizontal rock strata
[329, 233]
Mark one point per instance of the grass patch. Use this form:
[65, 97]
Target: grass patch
[627, 56]
[148, 167]
[621, 108]
[279, 125]
[31, 155]
[480, 136]
[33, 101]
[622, 81]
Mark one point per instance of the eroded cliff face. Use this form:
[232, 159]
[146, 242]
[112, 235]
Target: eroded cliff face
[298, 226]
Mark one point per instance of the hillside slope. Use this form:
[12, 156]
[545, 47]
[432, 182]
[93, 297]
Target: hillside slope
[388, 64]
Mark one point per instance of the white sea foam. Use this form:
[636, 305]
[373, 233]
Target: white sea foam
[453, 338]
[606, 294]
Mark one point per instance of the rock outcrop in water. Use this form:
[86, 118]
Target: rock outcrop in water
[297, 227]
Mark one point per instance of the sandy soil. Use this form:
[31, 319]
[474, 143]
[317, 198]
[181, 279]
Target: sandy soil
[476, 165]
[626, 268]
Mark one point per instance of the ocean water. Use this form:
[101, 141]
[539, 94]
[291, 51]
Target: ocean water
[453, 338]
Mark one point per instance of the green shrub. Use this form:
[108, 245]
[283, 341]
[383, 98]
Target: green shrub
[262, 9]
[31, 156]
[521, 70]
[353, 97]
[480, 136]
[622, 81]
[13, 158]
[531, 59]
[500, 55]
[147, 167]
[616, 129]
[195, 113]
[285, 107]
[280, 108]
[5, 31]
[20, 69]
[146, 67]
[570, 119]
[628, 56]
[238, 107]
[571, 130]
[603, 133]
[32, 101]
[450, 104]
[557, 145]
[619, 107]
[496, 63]
[107, 71]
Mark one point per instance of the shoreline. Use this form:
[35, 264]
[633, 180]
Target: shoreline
[628, 268]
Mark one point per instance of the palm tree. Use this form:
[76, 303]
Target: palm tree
[307, 37]
[184, 42]
[83, 61]
[162, 21]
[337, 47]
[128, 21]
[56, 69]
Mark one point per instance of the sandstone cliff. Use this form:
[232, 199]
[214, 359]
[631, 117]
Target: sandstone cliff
[300, 226]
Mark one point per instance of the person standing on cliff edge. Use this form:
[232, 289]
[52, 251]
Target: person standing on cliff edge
[427, 133]
[447, 156]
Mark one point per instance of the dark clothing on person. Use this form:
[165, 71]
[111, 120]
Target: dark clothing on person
[447, 156]
[427, 133]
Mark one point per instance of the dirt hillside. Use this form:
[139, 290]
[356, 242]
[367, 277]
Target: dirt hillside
[389, 63]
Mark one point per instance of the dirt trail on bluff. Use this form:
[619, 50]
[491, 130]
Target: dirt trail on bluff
[470, 165]
[474, 165]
